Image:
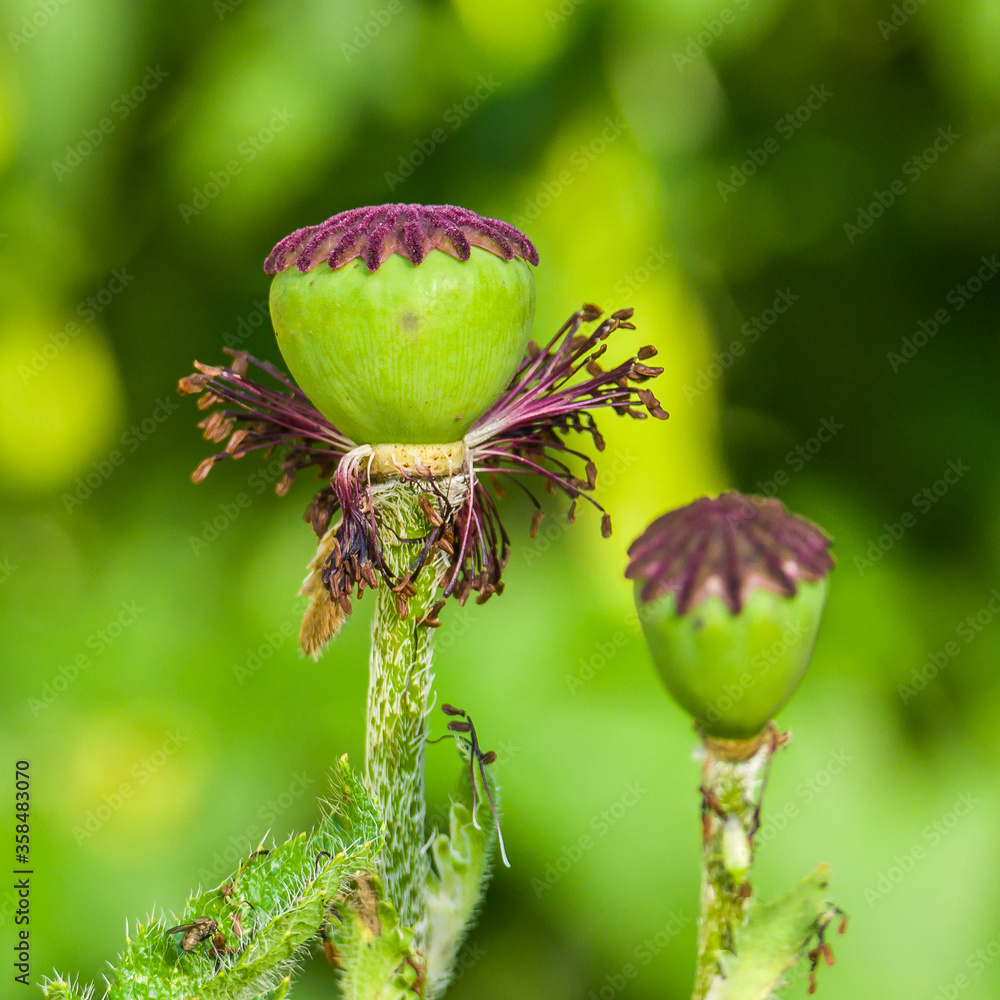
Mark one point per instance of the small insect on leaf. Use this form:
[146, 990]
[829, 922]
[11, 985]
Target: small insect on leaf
[195, 932]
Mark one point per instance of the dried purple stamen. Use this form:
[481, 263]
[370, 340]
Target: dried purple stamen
[476, 757]
[269, 417]
[727, 547]
[376, 232]
[521, 434]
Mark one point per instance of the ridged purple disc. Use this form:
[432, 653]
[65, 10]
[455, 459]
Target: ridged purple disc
[376, 232]
[727, 547]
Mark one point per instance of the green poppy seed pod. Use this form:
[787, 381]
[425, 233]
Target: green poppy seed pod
[730, 593]
[403, 323]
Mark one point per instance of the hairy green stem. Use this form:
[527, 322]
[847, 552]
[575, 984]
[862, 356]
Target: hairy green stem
[733, 778]
[396, 724]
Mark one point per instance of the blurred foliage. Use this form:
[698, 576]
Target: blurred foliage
[161, 149]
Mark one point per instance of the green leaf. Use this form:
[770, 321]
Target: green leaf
[262, 917]
[458, 879]
[774, 938]
[375, 951]
[61, 988]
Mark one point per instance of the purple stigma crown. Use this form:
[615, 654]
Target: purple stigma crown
[727, 547]
[376, 232]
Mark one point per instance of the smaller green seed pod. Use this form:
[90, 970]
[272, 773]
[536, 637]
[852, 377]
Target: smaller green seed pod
[730, 593]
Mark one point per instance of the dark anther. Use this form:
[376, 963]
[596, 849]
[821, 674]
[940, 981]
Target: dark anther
[536, 520]
[430, 620]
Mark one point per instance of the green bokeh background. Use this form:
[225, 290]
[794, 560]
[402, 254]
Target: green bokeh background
[605, 131]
